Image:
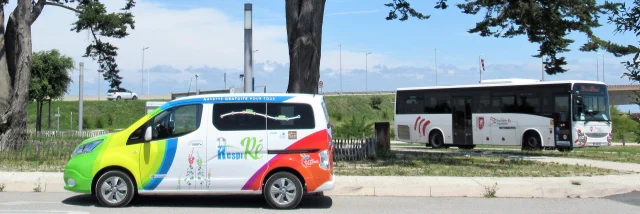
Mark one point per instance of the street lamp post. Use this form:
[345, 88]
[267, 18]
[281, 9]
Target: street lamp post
[197, 91]
[366, 73]
[435, 59]
[598, 68]
[480, 66]
[340, 69]
[142, 71]
[248, 53]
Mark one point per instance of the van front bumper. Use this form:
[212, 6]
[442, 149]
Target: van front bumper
[75, 182]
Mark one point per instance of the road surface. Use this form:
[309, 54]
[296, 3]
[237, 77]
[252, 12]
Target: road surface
[15, 202]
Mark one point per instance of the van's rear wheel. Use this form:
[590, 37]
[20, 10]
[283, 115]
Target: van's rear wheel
[114, 189]
[283, 190]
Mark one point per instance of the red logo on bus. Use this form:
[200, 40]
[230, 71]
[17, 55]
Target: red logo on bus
[480, 121]
[421, 125]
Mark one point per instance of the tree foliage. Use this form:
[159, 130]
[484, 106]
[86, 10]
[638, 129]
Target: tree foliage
[15, 53]
[49, 75]
[544, 22]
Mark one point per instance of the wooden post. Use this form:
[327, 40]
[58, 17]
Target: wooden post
[382, 136]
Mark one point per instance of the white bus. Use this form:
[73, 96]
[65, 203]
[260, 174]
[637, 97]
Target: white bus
[517, 112]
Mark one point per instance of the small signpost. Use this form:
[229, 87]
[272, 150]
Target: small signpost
[58, 116]
[320, 85]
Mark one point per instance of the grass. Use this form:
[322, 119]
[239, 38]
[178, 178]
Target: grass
[626, 154]
[342, 108]
[445, 164]
[623, 154]
[112, 114]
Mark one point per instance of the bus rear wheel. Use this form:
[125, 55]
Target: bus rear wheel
[531, 141]
[437, 140]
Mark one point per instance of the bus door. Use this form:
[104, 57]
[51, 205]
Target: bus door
[562, 119]
[462, 123]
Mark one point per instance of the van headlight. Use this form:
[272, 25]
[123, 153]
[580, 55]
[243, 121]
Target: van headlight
[86, 148]
[324, 159]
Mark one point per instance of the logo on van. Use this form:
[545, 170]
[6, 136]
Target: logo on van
[307, 161]
[480, 122]
[252, 148]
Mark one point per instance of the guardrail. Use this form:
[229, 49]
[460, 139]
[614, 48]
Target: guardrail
[357, 93]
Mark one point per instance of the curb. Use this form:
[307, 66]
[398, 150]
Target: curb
[424, 186]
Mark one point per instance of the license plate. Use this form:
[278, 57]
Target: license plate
[596, 144]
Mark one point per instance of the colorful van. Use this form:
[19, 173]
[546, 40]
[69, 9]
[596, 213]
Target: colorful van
[277, 145]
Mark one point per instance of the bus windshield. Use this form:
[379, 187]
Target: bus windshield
[595, 99]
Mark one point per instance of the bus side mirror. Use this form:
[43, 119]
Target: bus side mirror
[579, 103]
[147, 134]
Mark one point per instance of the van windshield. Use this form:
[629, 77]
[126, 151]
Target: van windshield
[326, 114]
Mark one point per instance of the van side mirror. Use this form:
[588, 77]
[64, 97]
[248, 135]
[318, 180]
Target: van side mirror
[147, 134]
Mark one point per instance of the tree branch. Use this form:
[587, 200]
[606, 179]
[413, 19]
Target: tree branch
[63, 6]
[37, 9]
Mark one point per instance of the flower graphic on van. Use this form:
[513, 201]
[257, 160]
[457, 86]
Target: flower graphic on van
[191, 159]
[251, 112]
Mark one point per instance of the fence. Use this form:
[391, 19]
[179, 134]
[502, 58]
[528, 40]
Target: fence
[354, 149]
[39, 154]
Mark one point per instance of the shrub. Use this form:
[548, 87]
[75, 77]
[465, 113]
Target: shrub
[375, 102]
[99, 123]
[355, 128]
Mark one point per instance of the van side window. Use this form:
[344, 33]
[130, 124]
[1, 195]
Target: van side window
[239, 116]
[170, 123]
[290, 116]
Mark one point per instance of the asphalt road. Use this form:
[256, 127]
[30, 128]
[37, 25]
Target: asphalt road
[11, 202]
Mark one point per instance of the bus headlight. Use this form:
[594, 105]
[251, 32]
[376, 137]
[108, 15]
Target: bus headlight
[324, 160]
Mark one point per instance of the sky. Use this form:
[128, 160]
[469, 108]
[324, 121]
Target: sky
[205, 37]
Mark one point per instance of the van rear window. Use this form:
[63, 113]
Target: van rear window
[261, 116]
[290, 116]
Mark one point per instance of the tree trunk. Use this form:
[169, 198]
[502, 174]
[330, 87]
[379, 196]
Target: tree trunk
[18, 50]
[39, 116]
[304, 35]
[5, 80]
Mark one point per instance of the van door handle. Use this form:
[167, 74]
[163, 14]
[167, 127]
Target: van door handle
[195, 143]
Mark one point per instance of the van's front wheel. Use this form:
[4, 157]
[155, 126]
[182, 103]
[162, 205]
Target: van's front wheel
[283, 190]
[114, 189]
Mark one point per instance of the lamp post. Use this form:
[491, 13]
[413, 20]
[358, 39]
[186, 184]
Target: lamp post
[340, 68]
[542, 67]
[366, 73]
[197, 91]
[80, 103]
[601, 54]
[248, 53]
[598, 68]
[142, 71]
[480, 66]
[435, 59]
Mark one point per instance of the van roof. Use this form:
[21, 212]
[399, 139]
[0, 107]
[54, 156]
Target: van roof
[237, 97]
